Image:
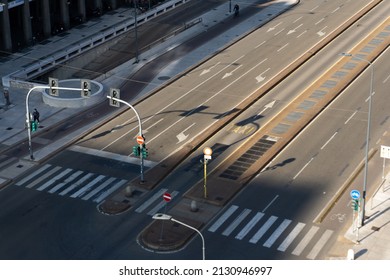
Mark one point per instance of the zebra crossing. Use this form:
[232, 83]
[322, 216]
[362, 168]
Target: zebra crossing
[71, 183]
[271, 231]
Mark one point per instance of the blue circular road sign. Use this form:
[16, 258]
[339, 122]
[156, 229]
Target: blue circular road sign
[355, 194]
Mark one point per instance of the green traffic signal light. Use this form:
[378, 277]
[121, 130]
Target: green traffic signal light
[136, 150]
[33, 126]
[355, 205]
[145, 152]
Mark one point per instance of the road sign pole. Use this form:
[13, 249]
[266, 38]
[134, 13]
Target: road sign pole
[28, 117]
[139, 133]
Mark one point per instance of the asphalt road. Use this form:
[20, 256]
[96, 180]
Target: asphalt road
[72, 228]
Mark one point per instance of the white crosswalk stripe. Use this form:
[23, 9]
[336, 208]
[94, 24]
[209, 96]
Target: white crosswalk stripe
[273, 231]
[73, 183]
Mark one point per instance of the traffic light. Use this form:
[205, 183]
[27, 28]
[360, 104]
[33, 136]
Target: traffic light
[355, 204]
[85, 88]
[53, 84]
[145, 152]
[114, 93]
[136, 150]
[33, 126]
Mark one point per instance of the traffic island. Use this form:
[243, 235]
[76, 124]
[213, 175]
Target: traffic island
[167, 235]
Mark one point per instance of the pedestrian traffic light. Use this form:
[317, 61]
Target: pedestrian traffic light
[33, 126]
[85, 88]
[136, 150]
[355, 204]
[114, 93]
[53, 84]
[145, 152]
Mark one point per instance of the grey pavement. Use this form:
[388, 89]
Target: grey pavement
[374, 236]
[372, 240]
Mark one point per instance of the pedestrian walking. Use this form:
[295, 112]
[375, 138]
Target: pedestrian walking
[36, 115]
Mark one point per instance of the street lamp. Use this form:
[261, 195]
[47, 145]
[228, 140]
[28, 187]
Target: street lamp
[207, 152]
[160, 216]
[140, 136]
[368, 134]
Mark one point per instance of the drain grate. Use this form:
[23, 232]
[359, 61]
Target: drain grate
[235, 170]
[375, 228]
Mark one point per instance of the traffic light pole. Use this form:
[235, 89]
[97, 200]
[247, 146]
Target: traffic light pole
[139, 131]
[28, 117]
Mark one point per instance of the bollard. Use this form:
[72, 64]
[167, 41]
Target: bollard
[350, 255]
[194, 207]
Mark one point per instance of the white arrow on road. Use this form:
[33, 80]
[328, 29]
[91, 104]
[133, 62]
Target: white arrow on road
[181, 136]
[321, 32]
[268, 106]
[294, 30]
[209, 69]
[260, 78]
[230, 73]
[273, 28]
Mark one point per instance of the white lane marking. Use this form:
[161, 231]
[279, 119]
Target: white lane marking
[302, 245]
[43, 177]
[335, 10]
[368, 98]
[269, 204]
[277, 33]
[66, 181]
[144, 131]
[77, 184]
[330, 139]
[321, 243]
[290, 238]
[236, 222]
[263, 229]
[347, 121]
[249, 226]
[259, 45]
[282, 47]
[385, 80]
[88, 186]
[150, 201]
[297, 19]
[54, 179]
[110, 190]
[223, 218]
[301, 33]
[207, 100]
[32, 175]
[98, 189]
[173, 102]
[271, 240]
[318, 22]
[300, 171]
[312, 10]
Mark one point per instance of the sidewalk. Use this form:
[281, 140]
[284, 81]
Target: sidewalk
[12, 124]
[371, 241]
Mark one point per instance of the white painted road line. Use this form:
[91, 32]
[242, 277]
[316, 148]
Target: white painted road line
[320, 244]
[223, 218]
[249, 226]
[32, 175]
[255, 238]
[290, 238]
[43, 177]
[271, 240]
[236, 222]
[301, 246]
[148, 202]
